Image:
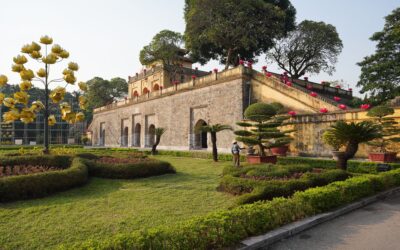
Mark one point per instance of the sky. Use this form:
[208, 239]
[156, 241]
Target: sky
[105, 37]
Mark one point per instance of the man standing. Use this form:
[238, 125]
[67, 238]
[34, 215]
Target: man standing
[236, 154]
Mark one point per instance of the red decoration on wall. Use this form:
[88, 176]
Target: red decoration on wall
[268, 74]
[337, 99]
[365, 106]
[264, 68]
[342, 107]
[193, 77]
[292, 113]
[350, 89]
[323, 110]
[241, 62]
[288, 83]
[313, 94]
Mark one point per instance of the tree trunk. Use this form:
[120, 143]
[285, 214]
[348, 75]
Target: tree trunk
[154, 147]
[228, 59]
[262, 151]
[214, 146]
[46, 114]
[351, 150]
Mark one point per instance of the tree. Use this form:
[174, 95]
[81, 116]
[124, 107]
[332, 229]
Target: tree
[311, 48]
[228, 29]
[166, 47]
[103, 92]
[263, 128]
[351, 135]
[19, 106]
[159, 132]
[380, 75]
[213, 130]
[389, 127]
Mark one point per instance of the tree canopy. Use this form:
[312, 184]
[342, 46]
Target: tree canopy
[165, 47]
[228, 29]
[380, 72]
[102, 92]
[311, 48]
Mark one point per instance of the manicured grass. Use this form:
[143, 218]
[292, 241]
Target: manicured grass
[105, 207]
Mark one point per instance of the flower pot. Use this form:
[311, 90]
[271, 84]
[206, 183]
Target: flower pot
[281, 151]
[335, 154]
[255, 159]
[382, 157]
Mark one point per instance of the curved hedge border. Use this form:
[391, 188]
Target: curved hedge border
[226, 228]
[72, 173]
[129, 171]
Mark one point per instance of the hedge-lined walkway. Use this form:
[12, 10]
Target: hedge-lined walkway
[105, 207]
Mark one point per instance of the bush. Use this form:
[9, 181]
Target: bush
[71, 174]
[226, 228]
[128, 171]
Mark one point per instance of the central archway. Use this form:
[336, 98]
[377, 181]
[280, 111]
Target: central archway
[200, 137]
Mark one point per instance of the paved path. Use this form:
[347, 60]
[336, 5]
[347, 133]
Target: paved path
[376, 226]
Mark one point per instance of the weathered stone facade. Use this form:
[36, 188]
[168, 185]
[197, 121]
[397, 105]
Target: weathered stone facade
[211, 99]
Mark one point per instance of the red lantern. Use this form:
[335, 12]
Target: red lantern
[193, 77]
[350, 89]
[268, 74]
[241, 62]
[337, 99]
[323, 110]
[292, 113]
[215, 70]
[264, 68]
[338, 86]
[289, 84]
[285, 73]
[313, 94]
[365, 106]
[342, 107]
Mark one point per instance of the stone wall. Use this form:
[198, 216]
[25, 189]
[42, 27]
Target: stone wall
[178, 112]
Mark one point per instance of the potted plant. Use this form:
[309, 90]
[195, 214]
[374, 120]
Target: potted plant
[261, 130]
[285, 140]
[331, 140]
[352, 134]
[390, 134]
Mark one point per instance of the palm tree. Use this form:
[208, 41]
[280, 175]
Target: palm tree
[158, 132]
[352, 134]
[213, 130]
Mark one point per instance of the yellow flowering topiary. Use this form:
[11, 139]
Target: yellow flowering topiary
[70, 78]
[73, 66]
[20, 59]
[27, 48]
[56, 49]
[17, 68]
[27, 116]
[3, 80]
[52, 120]
[26, 74]
[21, 97]
[65, 107]
[50, 58]
[11, 115]
[57, 94]
[37, 106]
[9, 102]
[25, 85]
[41, 73]
[64, 54]
[36, 54]
[82, 86]
[83, 102]
[79, 117]
[2, 96]
[46, 40]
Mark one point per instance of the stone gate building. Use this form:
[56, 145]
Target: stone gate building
[156, 99]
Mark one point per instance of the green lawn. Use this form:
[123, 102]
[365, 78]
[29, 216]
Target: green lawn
[106, 207]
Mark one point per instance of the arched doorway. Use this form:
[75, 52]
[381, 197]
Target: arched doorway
[151, 135]
[156, 87]
[146, 91]
[135, 94]
[124, 139]
[136, 135]
[200, 137]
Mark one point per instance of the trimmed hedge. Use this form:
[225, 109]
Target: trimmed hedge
[197, 154]
[226, 228]
[255, 190]
[129, 171]
[71, 174]
[17, 147]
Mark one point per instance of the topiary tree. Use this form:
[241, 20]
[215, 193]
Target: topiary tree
[213, 130]
[20, 108]
[351, 135]
[263, 128]
[390, 129]
[159, 132]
